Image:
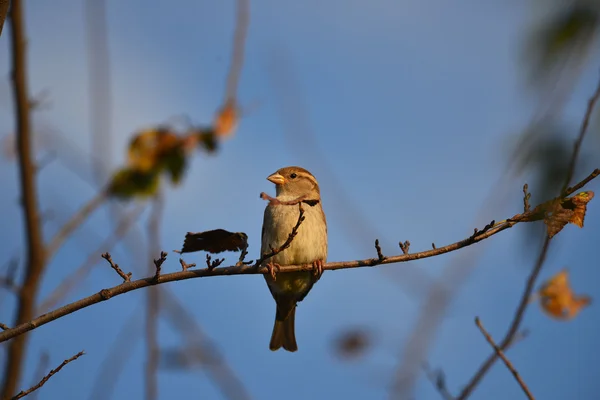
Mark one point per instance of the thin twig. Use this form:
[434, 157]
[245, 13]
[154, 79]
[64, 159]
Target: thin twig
[126, 276]
[500, 354]
[288, 241]
[4, 326]
[47, 377]
[127, 287]
[380, 255]
[185, 266]
[35, 260]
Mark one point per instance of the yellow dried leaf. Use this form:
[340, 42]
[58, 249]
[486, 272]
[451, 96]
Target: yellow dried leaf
[226, 119]
[557, 213]
[580, 201]
[558, 300]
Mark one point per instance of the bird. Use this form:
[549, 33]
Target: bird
[295, 187]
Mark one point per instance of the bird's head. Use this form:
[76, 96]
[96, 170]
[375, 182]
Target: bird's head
[295, 182]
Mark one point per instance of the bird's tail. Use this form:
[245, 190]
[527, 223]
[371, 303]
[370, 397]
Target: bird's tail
[283, 331]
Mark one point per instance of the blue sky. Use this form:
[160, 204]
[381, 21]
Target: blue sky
[402, 110]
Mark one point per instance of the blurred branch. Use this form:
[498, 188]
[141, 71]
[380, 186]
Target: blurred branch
[126, 287]
[438, 379]
[68, 284]
[153, 300]
[115, 359]
[202, 349]
[79, 218]
[3, 13]
[47, 377]
[34, 264]
[237, 52]
[99, 86]
[531, 280]
[500, 354]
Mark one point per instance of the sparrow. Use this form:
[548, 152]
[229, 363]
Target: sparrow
[295, 187]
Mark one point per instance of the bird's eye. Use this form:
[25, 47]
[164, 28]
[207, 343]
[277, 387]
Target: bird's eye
[293, 176]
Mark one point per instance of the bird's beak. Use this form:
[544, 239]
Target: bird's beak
[276, 178]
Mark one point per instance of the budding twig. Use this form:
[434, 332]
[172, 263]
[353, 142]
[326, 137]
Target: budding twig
[185, 266]
[158, 264]
[126, 276]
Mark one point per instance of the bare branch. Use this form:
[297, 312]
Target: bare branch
[35, 262]
[47, 377]
[127, 287]
[3, 13]
[126, 276]
[3, 326]
[500, 354]
[531, 280]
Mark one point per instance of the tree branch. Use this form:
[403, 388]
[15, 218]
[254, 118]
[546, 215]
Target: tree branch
[126, 287]
[500, 354]
[34, 265]
[3, 13]
[47, 377]
[520, 312]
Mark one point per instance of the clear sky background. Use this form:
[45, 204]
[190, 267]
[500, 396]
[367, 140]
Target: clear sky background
[403, 110]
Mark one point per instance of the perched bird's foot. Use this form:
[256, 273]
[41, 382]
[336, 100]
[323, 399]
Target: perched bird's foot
[273, 269]
[317, 269]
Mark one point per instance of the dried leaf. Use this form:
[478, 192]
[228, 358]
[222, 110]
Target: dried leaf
[558, 300]
[557, 213]
[215, 241]
[226, 120]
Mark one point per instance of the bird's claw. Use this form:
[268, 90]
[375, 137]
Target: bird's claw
[317, 269]
[273, 269]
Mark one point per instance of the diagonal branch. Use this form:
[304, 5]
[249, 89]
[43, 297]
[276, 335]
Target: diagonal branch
[127, 287]
[500, 354]
[47, 377]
